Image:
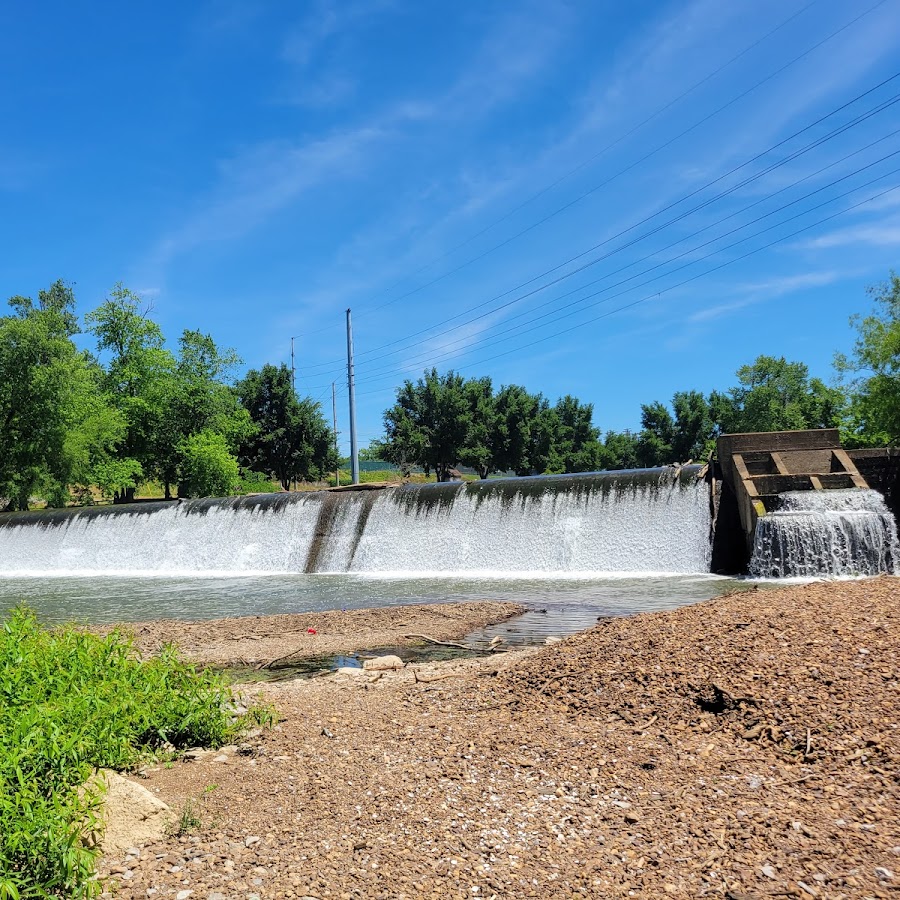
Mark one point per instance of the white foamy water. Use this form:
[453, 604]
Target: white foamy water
[579, 526]
[826, 533]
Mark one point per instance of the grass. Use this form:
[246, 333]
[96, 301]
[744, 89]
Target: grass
[70, 703]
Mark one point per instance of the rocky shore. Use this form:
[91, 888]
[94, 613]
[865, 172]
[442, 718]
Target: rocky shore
[745, 747]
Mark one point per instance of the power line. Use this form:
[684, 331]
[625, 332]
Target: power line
[555, 313]
[640, 160]
[449, 353]
[857, 120]
[666, 290]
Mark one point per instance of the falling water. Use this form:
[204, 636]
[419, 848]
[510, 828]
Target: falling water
[644, 521]
[826, 533]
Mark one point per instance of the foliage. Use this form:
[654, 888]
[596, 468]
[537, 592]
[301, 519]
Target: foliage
[291, 440]
[56, 427]
[206, 468]
[429, 424]
[776, 395]
[70, 703]
[874, 410]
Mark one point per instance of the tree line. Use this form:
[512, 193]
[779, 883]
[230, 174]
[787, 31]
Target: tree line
[444, 420]
[94, 423]
[101, 422]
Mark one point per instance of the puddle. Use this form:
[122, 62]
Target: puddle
[314, 666]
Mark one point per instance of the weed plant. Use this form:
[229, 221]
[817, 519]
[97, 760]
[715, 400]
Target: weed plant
[71, 703]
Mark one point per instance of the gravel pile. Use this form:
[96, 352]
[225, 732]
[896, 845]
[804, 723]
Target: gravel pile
[742, 748]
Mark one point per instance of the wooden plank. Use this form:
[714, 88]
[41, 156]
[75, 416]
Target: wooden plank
[746, 478]
[779, 463]
[817, 485]
[841, 456]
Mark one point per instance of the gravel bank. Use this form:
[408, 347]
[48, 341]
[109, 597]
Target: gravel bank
[745, 747]
[255, 640]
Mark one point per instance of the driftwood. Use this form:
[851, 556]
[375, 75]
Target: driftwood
[431, 640]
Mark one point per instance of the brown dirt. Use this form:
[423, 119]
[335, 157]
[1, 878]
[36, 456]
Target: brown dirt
[255, 640]
[745, 747]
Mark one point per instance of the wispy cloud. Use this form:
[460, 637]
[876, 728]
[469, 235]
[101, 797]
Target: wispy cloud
[876, 234]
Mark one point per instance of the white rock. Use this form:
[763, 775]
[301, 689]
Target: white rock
[883, 874]
[221, 758]
[250, 841]
[183, 895]
[769, 872]
[383, 664]
[131, 814]
[553, 639]
[351, 670]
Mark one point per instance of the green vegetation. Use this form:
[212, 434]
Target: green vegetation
[443, 420]
[71, 703]
[77, 426]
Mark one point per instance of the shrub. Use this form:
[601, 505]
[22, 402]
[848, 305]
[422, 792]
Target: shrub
[70, 703]
[206, 467]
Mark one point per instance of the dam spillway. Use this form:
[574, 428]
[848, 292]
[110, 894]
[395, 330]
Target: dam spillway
[643, 521]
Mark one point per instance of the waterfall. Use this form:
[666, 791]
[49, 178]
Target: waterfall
[831, 533]
[654, 520]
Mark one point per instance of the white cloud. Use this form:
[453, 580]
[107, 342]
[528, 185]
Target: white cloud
[878, 234]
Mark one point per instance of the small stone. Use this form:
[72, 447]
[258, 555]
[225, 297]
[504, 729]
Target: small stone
[183, 895]
[883, 874]
[216, 895]
[631, 818]
[351, 670]
[221, 758]
[251, 840]
[383, 664]
[132, 851]
[768, 871]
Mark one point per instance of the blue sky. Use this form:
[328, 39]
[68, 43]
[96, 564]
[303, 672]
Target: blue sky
[253, 169]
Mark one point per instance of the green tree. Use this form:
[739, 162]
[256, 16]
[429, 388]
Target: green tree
[873, 371]
[292, 439]
[206, 466]
[565, 439]
[671, 437]
[56, 428]
[138, 379]
[516, 412]
[429, 424]
[479, 451]
[619, 451]
[773, 394]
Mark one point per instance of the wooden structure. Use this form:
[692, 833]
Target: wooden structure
[760, 466]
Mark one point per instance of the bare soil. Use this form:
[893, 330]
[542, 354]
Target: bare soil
[745, 747]
[260, 640]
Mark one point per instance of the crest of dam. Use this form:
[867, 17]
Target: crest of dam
[641, 521]
[832, 533]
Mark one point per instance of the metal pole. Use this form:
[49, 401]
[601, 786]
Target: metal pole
[293, 370]
[337, 452]
[351, 385]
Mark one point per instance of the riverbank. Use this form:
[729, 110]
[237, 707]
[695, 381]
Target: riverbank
[744, 747]
[261, 640]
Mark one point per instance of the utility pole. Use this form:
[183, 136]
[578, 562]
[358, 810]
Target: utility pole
[337, 452]
[293, 370]
[351, 385]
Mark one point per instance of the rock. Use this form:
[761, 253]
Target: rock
[350, 670]
[883, 874]
[221, 758]
[194, 754]
[250, 841]
[216, 895]
[769, 871]
[131, 815]
[553, 639]
[183, 895]
[383, 664]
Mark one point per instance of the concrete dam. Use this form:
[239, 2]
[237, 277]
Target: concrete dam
[789, 504]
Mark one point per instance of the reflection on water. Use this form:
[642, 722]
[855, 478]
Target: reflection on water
[555, 606]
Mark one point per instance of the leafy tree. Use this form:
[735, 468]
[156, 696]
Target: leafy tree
[515, 415]
[206, 466]
[292, 439]
[874, 410]
[55, 427]
[666, 438]
[479, 451]
[138, 379]
[619, 451]
[429, 424]
[565, 439]
[776, 395]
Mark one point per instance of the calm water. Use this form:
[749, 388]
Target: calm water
[555, 605]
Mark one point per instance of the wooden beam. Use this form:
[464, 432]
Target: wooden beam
[741, 466]
[779, 463]
[848, 464]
